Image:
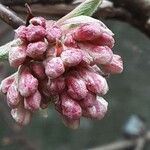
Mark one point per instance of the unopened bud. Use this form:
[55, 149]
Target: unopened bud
[38, 21]
[35, 33]
[76, 88]
[71, 57]
[90, 32]
[36, 50]
[97, 111]
[6, 83]
[21, 32]
[33, 102]
[115, 66]
[13, 96]
[17, 55]
[87, 32]
[95, 82]
[70, 42]
[27, 83]
[100, 54]
[89, 100]
[70, 108]
[104, 40]
[54, 67]
[21, 115]
[53, 33]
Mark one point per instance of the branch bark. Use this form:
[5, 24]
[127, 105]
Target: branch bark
[22, 2]
[10, 17]
[135, 12]
[140, 12]
[118, 145]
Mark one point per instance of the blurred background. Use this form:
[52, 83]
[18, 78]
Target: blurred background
[129, 95]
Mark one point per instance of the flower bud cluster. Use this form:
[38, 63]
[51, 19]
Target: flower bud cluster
[66, 69]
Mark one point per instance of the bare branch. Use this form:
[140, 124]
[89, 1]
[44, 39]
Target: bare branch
[22, 2]
[10, 17]
[135, 12]
[125, 143]
[140, 144]
[116, 12]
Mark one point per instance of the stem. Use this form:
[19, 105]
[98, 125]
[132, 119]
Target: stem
[22, 2]
[10, 17]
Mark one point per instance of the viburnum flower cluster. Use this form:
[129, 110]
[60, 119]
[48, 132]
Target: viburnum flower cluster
[62, 66]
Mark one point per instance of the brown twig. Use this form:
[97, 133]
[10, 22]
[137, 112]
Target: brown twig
[10, 17]
[29, 14]
[116, 12]
[22, 2]
[122, 10]
[119, 145]
[140, 144]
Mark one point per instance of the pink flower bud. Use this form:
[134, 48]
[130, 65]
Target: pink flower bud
[95, 82]
[87, 32]
[33, 102]
[100, 54]
[76, 88]
[56, 86]
[17, 55]
[38, 70]
[90, 32]
[36, 50]
[115, 66]
[21, 115]
[35, 33]
[71, 123]
[97, 111]
[53, 33]
[104, 40]
[71, 57]
[54, 67]
[21, 32]
[70, 108]
[88, 101]
[70, 42]
[6, 83]
[13, 96]
[28, 84]
[38, 21]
